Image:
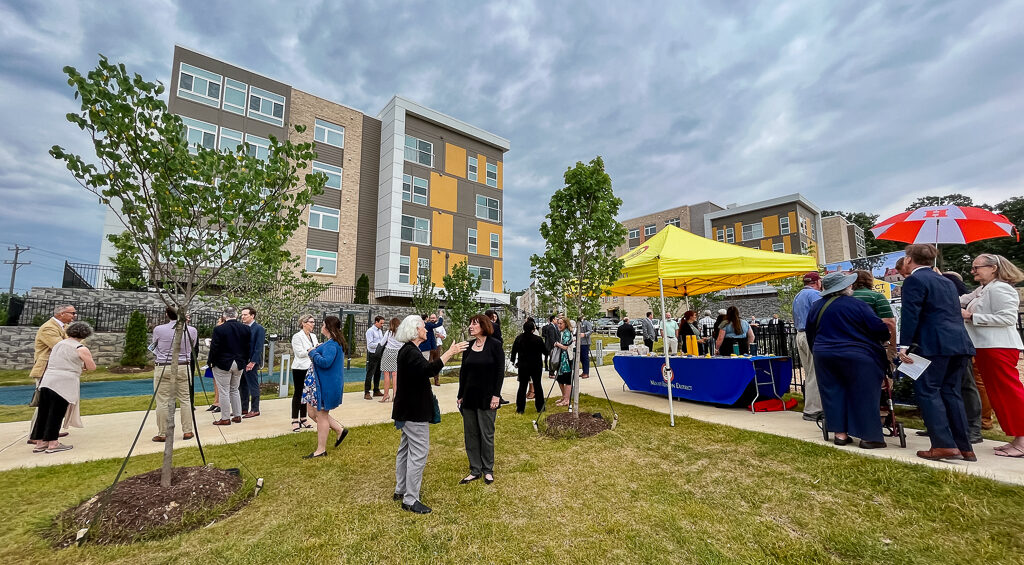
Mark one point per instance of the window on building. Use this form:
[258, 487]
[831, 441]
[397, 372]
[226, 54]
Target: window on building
[259, 147]
[672, 222]
[471, 240]
[495, 243]
[753, 231]
[779, 247]
[484, 274]
[784, 225]
[492, 175]
[403, 269]
[471, 171]
[323, 262]
[720, 234]
[803, 247]
[198, 85]
[230, 140]
[415, 230]
[266, 106]
[488, 208]
[333, 174]
[199, 133]
[730, 235]
[234, 96]
[634, 233]
[423, 270]
[419, 151]
[331, 134]
[803, 224]
[414, 189]
[324, 218]
[650, 230]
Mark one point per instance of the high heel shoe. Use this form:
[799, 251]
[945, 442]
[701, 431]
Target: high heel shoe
[341, 437]
[314, 455]
[384, 398]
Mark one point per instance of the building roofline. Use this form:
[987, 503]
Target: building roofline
[795, 197]
[444, 120]
[687, 206]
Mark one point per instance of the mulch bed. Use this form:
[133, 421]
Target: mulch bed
[563, 423]
[124, 370]
[140, 508]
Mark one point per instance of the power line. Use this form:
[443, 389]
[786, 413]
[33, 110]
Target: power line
[17, 249]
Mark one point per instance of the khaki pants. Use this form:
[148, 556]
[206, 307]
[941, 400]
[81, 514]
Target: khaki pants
[812, 399]
[166, 390]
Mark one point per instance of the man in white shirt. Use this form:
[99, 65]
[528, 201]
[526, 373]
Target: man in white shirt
[374, 350]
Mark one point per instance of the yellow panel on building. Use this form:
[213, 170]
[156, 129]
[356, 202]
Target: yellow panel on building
[497, 276]
[414, 257]
[500, 175]
[437, 265]
[441, 230]
[454, 160]
[793, 228]
[444, 192]
[481, 169]
[483, 238]
[739, 231]
[770, 224]
[766, 245]
[786, 245]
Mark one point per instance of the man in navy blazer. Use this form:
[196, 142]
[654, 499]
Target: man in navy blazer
[230, 345]
[931, 323]
[250, 387]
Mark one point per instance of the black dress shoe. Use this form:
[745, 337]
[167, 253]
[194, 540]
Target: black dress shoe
[417, 507]
[864, 444]
[341, 438]
[396, 496]
[490, 480]
[846, 441]
[977, 440]
[502, 401]
[469, 479]
[922, 433]
[314, 455]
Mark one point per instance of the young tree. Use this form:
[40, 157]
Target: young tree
[580, 237]
[191, 210]
[127, 267]
[672, 305]
[274, 286]
[362, 290]
[424, 298]
[460, 291]
[135, 333]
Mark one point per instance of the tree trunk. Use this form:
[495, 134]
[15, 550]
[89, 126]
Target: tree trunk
[168, 466]
[575, 402]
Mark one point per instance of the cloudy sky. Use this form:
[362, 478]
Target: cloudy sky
[860, 106]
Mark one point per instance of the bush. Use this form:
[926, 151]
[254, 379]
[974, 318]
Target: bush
[39, 320]
[135, 341]
[362, 290]
[350, 334]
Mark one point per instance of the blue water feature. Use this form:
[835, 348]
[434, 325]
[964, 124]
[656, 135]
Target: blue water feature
[22, 394]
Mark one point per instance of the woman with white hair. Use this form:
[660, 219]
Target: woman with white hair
[414, 409]
[846, 338]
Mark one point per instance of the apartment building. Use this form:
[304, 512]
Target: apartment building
[843, 240]
[787, 224]
[689, 218]
[410, 191]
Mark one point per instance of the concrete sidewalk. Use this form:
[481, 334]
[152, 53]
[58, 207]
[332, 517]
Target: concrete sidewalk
[110, 435]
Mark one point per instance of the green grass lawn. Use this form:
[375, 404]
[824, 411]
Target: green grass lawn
[9, 377]
[642, 493]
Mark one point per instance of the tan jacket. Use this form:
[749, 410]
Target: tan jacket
[49, 334]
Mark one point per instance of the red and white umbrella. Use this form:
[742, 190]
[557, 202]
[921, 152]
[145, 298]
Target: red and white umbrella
[945, 224]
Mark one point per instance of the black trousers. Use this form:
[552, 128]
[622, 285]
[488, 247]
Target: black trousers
[52, 409]
[624, 345]
[298, 379]
[526, 376]
[649, 343]
[373, 370]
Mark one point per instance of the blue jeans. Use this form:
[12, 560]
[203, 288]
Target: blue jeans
[942, 407]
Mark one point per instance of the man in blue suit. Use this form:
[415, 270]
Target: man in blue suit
[250, 385]
[930, 323]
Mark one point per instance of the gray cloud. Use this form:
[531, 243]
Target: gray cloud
[859, 106]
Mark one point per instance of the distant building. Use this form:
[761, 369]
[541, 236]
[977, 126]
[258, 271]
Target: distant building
[787, 224]
[689, 218]
[843, 240]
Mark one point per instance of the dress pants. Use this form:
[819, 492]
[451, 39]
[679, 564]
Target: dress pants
[624, 345]
[585, 358]
[998, 367]
[411, 459]
[373, 370]
[249, 390]
[986, 404]
[228, 383]
[942, 407]
[650, 344]
[972, 401]
[51, 412]
[478, 426]
[299, 380]
[850, 387]
[525, 378]
[165, 390]
[812, 398]
[672, 344]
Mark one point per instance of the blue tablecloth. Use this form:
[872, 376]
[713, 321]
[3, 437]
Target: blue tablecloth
[718, 380]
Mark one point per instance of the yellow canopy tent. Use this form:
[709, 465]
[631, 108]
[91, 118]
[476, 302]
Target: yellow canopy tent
[676, 262]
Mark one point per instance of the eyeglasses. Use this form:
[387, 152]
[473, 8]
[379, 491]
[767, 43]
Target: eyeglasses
[72, 312]
[976, 267]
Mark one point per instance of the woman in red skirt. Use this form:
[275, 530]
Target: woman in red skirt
[990, 313]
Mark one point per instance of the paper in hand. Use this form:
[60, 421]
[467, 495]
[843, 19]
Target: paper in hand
[915, 369]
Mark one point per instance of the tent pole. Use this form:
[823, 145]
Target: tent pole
[664, 347]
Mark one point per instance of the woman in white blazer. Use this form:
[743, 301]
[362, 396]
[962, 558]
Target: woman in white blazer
[990, 313]
[303, 342]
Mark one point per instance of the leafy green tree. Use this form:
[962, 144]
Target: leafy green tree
[1009, 247]
[787, 290]
[460, 291]
[135, 337]
[955, 199]
[127, 267]
[865, 221]
[273, 285]
[580, 235]
[707, 301]
[672, 305]
[362, 290]
[424, 298]
[191, 211]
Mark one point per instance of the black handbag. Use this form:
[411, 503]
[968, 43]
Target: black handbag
[437, 412]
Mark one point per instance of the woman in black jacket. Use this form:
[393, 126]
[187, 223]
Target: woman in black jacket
[689, 327]
[413, 409]
[529, 348]
[480, 378]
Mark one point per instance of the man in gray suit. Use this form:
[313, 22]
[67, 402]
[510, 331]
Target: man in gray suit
[650, 334]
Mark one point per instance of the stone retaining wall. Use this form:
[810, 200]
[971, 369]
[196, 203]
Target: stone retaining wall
[17, 347]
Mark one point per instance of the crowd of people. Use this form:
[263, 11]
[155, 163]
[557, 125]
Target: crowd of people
[729, 334]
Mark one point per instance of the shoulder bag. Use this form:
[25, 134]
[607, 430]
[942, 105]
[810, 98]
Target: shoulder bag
[436, 419]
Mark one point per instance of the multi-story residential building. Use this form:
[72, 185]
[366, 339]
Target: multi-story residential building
[410, 192]
[787, 224]
[689, 218]
[843, 240]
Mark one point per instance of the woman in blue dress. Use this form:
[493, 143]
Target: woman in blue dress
[324, 385]
[846, 336]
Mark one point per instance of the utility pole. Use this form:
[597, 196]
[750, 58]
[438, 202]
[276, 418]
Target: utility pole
[17, 249]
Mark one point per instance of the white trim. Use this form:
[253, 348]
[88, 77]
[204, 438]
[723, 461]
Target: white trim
[208, 76]
[487, 174]
[475, 164]
[231, 106]
[412, 190]
[409, 107]
[266, 96]
[471, 233]
[495, 245]
[487, 206]
[324, 255]
[328, 128]
[329, 170]
[324, 212]
[257, 143]
[192, 124]
[417, 228]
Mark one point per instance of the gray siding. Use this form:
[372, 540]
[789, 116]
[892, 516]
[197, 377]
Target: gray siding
[330, 198]
[329, 154]
[369, 177]
[322, 240]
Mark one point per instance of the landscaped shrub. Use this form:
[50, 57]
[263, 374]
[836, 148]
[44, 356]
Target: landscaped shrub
[350, 333]
[362, 290]
[135, 341]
